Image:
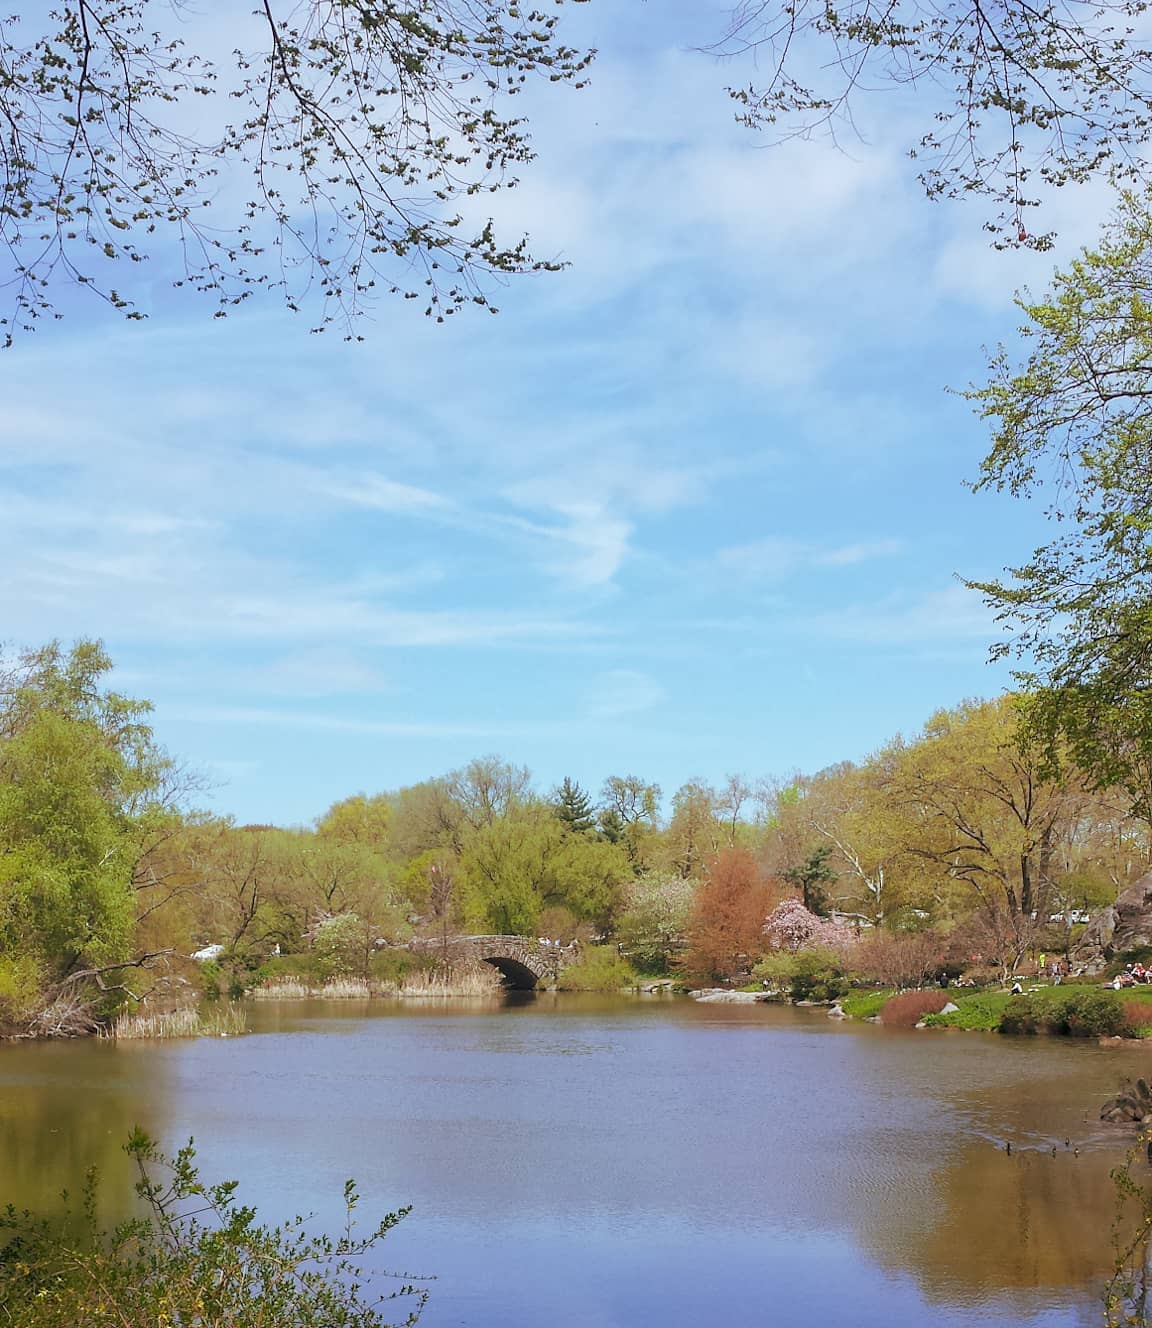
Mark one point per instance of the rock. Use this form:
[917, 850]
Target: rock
[950, 1008]
[719, 996]
[836, 1013]
[1132, 1104]
[1124, 925]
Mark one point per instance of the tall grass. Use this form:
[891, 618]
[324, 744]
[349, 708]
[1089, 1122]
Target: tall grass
[344, 989]
[460, 980]
[452, 980]
[282, 989]
[223, 1019]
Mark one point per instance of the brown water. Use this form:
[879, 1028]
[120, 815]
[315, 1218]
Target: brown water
[591, 1162]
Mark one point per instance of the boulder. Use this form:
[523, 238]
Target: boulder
[1123, 926]
[1132, 1104]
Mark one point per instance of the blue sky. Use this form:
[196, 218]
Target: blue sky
[694, 505]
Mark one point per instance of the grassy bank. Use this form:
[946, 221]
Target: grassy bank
[1076, 1009]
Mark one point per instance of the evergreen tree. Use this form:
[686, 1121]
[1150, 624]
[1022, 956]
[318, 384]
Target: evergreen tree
[573, 807]
[810, 878]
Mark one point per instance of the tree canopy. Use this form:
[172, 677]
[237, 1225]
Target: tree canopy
[1012, 101]
[339, 152]
[1073, 424]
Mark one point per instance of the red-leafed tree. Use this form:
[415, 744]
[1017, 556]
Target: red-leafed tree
[724, 929]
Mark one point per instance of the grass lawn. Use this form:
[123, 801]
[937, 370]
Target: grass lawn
[865, 1004]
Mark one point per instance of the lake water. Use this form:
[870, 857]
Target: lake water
[585, 1162]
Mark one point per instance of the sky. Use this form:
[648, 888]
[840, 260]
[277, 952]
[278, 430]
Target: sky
[694, 505]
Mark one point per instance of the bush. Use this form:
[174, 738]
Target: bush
[19, 987]
[196, 1257]
[907, 1009]
[601, 969]
[899, 959]
[1137, 1018]
[1088, 1012]
[1019, 1016]
[809, 975]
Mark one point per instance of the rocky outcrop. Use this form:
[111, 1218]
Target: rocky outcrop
[1123, 926]
[1132, 1104]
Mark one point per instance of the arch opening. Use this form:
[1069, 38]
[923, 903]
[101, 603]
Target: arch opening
[517, 976]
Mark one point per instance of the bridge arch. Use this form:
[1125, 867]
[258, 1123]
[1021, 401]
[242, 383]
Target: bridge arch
[522, 961]
[516, 974]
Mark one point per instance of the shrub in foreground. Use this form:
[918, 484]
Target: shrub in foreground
[196, 1258]
[907, 1009]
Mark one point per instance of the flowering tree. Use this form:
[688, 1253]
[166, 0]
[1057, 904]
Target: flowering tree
[791, 926]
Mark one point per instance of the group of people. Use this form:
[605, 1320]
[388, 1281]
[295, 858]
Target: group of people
[1133, 975]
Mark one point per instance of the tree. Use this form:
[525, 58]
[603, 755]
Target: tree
[524, 861]
[1074, 421]
[810, 878]
[654, 920]
[985, 810]
[630, 815]
[358, 820]
[574, 808]
[82, 788]
[724, 929]
[336, 156]
[693, 834]
[1017, 100]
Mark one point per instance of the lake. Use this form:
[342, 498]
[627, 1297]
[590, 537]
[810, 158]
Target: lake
[588, 1162]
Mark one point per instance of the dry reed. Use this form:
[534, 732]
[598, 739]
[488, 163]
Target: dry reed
[222, 1020]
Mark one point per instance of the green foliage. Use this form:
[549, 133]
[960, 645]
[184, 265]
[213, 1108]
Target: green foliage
[978, 1011]
[865, 1004]
[574, 808]
[810, 877]
[654, 920]
[601, 968]
[20, 985]
[80, 791]
[197, 1257]
[814, 974]
[338, 944]
[1073, 421]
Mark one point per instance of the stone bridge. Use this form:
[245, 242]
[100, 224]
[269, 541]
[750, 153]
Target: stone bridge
[522, 961]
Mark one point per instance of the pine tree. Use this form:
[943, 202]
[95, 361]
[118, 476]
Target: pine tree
[810, 878]
[573, 808]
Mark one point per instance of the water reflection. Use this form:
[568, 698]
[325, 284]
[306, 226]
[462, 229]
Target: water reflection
[609, 1161]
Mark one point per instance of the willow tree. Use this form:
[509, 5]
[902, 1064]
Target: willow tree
[342, 150]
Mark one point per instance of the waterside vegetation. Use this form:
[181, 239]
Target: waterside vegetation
[962, 850]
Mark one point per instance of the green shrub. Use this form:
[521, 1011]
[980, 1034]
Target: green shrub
[1019, 1016]
[866, 1004]
[339, 947]
[814, 974]
[601, 969]
[19, 987]
[1089, 1014]
[196, 1257]
[978, 1012]
[1081, 1012]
